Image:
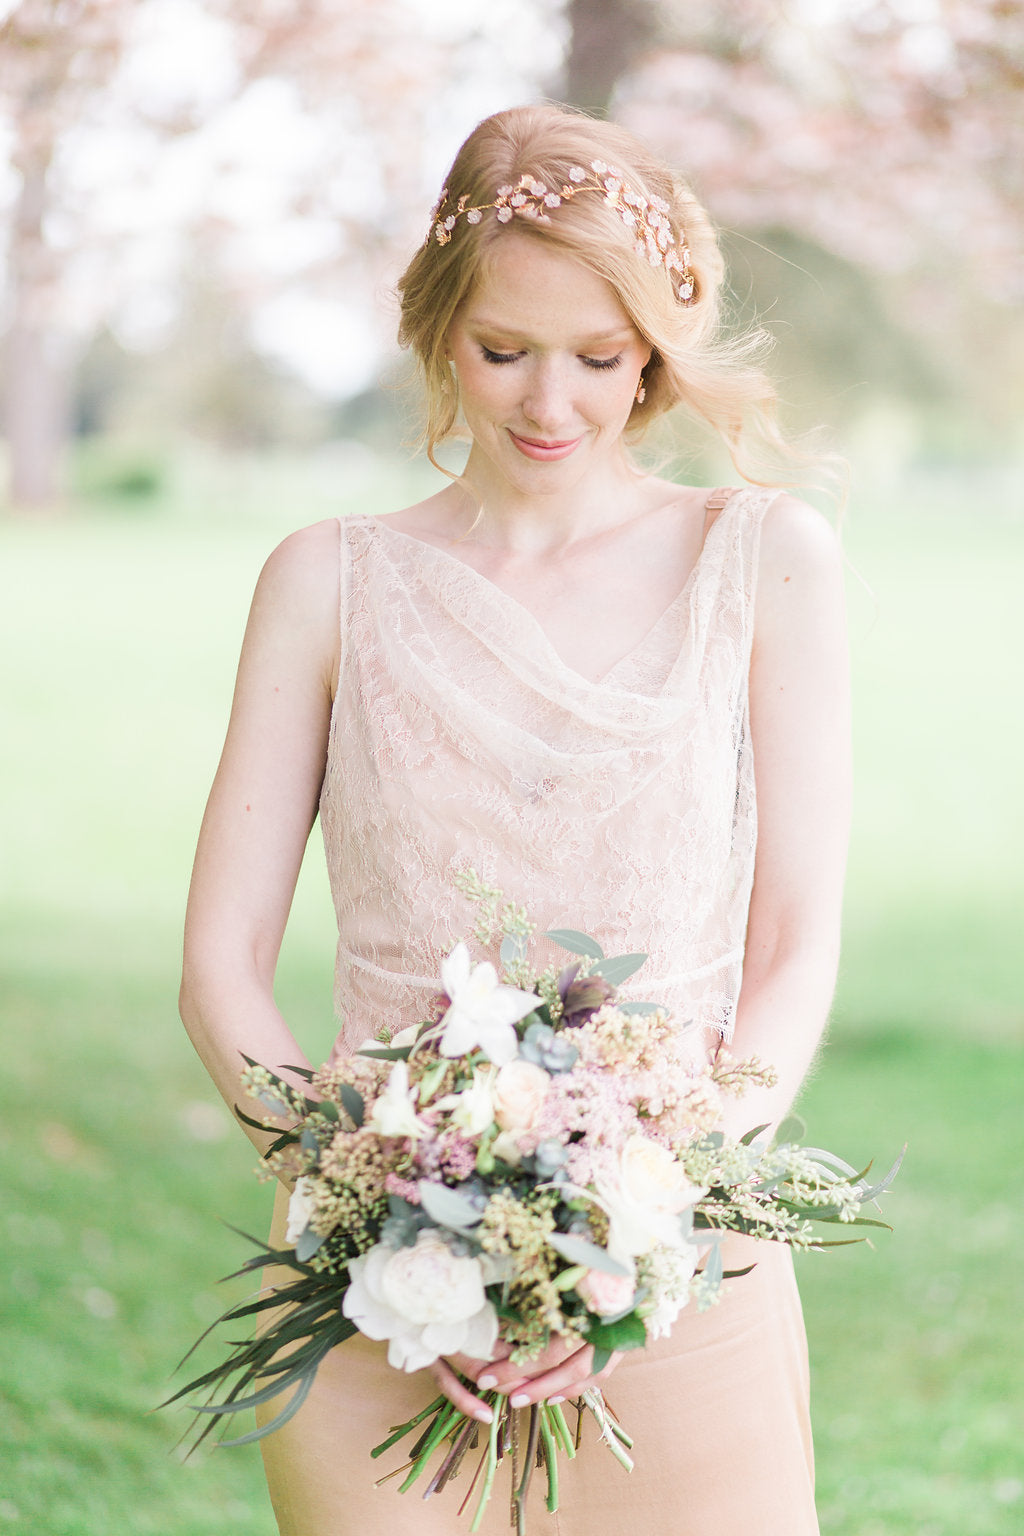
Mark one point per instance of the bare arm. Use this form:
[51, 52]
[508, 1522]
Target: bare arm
[261, 808]
[799, 709]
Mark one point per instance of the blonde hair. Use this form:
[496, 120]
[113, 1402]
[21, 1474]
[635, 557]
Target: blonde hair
[693, 366]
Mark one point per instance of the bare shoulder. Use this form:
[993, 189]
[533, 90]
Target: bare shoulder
[800, 587]
[798, 541]
[295, 607]
[306, 562]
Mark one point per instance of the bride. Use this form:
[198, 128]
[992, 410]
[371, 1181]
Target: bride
[623, 701]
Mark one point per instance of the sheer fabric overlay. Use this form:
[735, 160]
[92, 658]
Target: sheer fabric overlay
[459, 738]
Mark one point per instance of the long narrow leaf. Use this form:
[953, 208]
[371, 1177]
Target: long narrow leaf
[289, 1412]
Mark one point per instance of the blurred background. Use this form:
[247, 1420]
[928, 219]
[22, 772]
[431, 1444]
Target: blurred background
[205, 206]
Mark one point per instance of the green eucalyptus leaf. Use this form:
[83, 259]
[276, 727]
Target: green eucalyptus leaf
[619, 968]
[273, 1105]
[792, 1129]
[600, 1360]
[307, 1245]
[752, 1136]
[637, 1007]
[447, 1207]
[579, 1251]
[386, 1052]
[352, 1103]
[575, 942]
[713, 1267]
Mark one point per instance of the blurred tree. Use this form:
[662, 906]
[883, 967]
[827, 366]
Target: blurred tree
[138, 123]
[888, 135]
[606, 37]
[53, 55]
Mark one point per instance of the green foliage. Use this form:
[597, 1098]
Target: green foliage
[117, 646]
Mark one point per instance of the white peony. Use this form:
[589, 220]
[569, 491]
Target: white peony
[394, 1111]
[300, 1210]
[482, 1010]
[425, 1299]
[519, 1092]
[645, 1198]
[472, 1110]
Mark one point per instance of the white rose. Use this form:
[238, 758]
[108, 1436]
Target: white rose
[426, 1300]
[653, 1175]
[393, 1112]
[300, 1210]
[519, 1092]
[645, 1198]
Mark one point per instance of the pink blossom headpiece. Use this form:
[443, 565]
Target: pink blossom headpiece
[645, 217]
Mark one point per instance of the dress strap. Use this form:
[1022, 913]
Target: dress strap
[344, 594]
[715, 504]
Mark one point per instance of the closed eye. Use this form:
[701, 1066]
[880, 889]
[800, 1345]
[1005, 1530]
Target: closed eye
[602, 362]
[499, 357]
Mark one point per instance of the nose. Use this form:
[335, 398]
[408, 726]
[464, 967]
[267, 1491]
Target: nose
[547, 405]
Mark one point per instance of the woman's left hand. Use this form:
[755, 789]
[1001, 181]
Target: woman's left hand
[564, 1370]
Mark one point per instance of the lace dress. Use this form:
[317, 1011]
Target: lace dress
[623, 807]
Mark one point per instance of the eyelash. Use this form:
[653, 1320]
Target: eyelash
[599, 364]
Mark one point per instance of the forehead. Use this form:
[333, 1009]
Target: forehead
[526, 284]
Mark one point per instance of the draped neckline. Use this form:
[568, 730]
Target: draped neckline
[515, 606]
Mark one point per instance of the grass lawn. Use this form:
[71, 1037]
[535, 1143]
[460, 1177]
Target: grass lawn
[118, 638]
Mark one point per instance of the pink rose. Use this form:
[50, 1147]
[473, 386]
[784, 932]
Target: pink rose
[519, 1091]
[605, 1294]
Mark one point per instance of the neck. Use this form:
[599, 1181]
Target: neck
[533, 522]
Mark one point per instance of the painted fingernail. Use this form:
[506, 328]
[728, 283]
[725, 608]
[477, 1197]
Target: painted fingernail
[556, 1399]
[484, 1415]
[487, 1382]
[520, 1400]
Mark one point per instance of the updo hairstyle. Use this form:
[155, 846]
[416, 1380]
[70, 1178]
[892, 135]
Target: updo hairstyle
[691, 365]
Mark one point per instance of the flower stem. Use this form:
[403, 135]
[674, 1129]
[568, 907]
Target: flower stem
[562, 1429]
[398, 1431]
[443, 1424]
[550, 1458]
[492, 1463]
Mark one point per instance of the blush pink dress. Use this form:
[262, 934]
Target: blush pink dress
[624, 807]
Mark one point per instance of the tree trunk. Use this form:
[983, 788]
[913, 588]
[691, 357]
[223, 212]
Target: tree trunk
[607, 36]
[36, 364]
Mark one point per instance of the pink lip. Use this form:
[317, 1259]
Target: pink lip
[534, 448]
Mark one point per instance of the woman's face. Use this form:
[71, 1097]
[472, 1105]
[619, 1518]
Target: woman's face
[548, 363]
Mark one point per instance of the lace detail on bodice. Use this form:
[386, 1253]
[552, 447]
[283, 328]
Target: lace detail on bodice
[459, 737]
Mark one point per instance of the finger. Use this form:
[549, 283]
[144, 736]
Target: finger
[460, 1395]
[566, 1379]
[504, 1376]
[569, 1380]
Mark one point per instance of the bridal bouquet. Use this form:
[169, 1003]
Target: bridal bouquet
[535, 1158]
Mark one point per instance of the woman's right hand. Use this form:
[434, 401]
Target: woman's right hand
[561, 1371]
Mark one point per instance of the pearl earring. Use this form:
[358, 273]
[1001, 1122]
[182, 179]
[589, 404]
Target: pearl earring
[641, 391]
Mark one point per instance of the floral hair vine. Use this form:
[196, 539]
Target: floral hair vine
[645, 217]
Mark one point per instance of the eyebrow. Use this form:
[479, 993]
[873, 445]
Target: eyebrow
[498, 328]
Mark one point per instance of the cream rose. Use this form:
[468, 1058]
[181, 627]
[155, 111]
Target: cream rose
[425, 1299]
[519, 1091]
[653, 1175]
[645, 1198]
